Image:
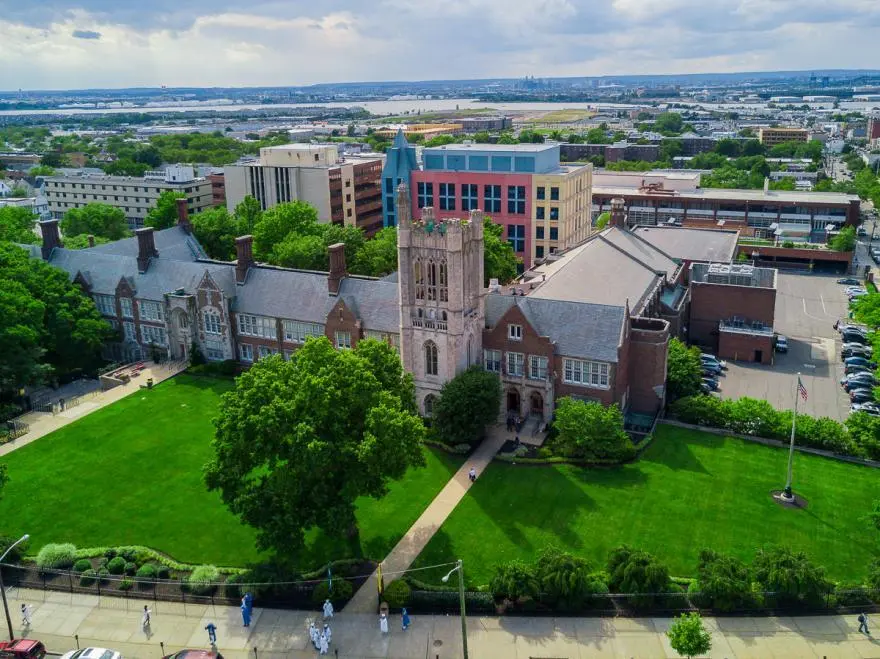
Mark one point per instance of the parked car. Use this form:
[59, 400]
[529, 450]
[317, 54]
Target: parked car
[861, 395]
[857, 346]
[781, 343]
[860, 361]
[711, 371]
[858, 384]
[712, 383]
[850, 327]
[861, 231]
[868, 408]
[92, 653]
[855, 295]
[194, 654]
[849, 369]
[713, 360]
[850, 281]
[846, 354]
[22, 648]
[855, 289]
[854, 337]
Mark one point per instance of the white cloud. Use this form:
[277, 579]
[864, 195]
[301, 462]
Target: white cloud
[291, 42]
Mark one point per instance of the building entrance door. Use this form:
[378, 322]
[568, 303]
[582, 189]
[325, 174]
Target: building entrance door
[537, 404]
[759, 356]
[513, 401]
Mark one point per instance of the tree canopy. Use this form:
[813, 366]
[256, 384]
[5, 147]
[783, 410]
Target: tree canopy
[298, 442]
[688, 637]
[845, 240]
[216, 231]
[499, 259]
[589, 430]
[468, 403]
[164, 214]
[683, 370]
[790, 576]
[17, 225]
[48, 327]
[99, 220]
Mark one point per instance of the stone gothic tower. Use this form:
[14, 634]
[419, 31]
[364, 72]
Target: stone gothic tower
[440, 265]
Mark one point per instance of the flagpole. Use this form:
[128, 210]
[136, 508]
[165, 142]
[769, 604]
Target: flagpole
[787, 493]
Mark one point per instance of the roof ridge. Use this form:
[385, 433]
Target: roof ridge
[631, 257]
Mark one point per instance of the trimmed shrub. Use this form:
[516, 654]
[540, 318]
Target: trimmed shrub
[88, 577]
[56, 556]
[853, 595]
[636, 572]
[146, 571]
[130, 569]
[514, 580]
[397, 594]
[82, 565]
[203, 580]
[163, 572]
[126, 584]
[116, 565]
[435, 601]
[724, 583]
[130, 554]
[110, 553]
[342, 592]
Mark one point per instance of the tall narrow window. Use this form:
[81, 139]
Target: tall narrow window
[444, 290]
[430, 358]
[432, 280]
[516, 199]
[516, 236]
[419, 279]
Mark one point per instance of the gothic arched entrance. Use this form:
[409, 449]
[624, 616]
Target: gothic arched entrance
[513, 401]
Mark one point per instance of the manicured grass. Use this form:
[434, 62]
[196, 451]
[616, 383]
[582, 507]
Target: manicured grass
[688, 491]
[131, 473]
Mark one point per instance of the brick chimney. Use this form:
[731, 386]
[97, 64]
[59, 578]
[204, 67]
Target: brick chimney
[337, 268]
[51, 237]
[91, 240]
[146, 248]
[244, 253]
[618, 213]
[183, 216]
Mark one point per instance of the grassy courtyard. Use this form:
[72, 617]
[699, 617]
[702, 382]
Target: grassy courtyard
[131, 473]
[688, 491]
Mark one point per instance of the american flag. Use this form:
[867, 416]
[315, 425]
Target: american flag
[802, 390]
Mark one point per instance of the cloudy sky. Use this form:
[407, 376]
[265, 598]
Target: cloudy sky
[64, 44]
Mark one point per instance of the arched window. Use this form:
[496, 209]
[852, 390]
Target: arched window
[444, 278]
[430, 401]
[430, 358]
[419, 279]
[432, 280]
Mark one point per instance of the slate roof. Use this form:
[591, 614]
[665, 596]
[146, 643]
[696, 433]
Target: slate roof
[172, 243]
[586, 331]
[689, 244]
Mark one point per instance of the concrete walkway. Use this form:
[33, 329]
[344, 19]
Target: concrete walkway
[43, 423]
[275, 634]
[411, 545]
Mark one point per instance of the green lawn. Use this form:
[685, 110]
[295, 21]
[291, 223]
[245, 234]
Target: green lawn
[131, 473]
[688, 491]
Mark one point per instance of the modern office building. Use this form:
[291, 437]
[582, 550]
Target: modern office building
[774, 136]
[134, 196]
[873, 132]
[544, 206]
[400, 162]
[795, 216]
[345, 191]
[218, 188]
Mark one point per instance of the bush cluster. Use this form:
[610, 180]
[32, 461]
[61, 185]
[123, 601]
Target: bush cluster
[757, 418]
[203, 580]
[397, 594]
[342, 592]
[56, 556]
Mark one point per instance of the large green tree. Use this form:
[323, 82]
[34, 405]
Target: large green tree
[468, 403]
[499, 259]
[298, 442]
[724, 583]
[790, 576]
[378, 256]
[99, 220]
[69, 331]
[164, 214]
[567, 580]
[683, 370]
[247, 213]
[276, 224]
[589, 430]
[17, 225]
[845, 240]
[216, 231]
[637, 572]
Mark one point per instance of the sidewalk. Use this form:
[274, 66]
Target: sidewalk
[411, 545]
[275, 634]
[43, 423]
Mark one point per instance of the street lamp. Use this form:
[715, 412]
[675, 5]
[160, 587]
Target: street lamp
[458, 567]
[23, 538]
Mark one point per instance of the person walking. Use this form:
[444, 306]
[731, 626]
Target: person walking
[313, 635]
[212, 633]
[323, 644]
[328, 632]
[383, 623]
[404, 620]
[863, 623]
[26, 615]
[472, 474]
[328, 608]
[249, 600]
[245, 614]
[145, 620]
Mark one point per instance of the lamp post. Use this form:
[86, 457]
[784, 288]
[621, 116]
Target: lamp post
[458, 567]
[3, 588]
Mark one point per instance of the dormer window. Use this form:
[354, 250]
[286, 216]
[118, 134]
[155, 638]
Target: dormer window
[514, 332]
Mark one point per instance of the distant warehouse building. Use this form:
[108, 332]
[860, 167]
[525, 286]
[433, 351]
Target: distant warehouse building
[134, 196]
[479, 124]
[774, 136]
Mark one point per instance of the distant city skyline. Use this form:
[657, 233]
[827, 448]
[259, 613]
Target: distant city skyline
[75, 44]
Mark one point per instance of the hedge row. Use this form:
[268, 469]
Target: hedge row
[858, 437]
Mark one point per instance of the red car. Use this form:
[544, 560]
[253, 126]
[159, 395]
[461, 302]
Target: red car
[22, 648]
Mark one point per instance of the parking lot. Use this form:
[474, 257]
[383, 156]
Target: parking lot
[806, 308]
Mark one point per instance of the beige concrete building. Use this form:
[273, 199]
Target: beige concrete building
[562, 209]
[135, 196]
[774, 136]
[344, 190]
